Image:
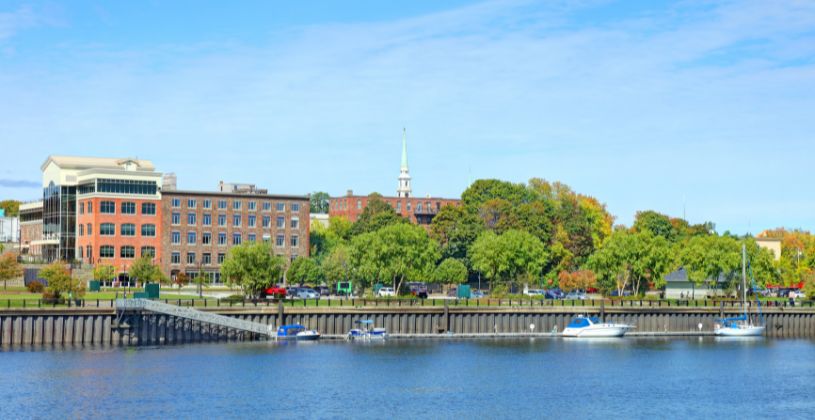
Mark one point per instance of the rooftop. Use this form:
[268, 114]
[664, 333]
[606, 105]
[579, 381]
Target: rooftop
[83, 162]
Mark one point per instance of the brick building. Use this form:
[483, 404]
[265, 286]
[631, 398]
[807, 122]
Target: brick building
[200, 227]
[419, 210]
[31, 230]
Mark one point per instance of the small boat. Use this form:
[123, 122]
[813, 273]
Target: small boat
[585, 326]
[296, 332]
[364, 333]
[742, 326]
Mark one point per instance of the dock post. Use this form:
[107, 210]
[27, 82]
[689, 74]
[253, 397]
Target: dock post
[603, 310]
[446, 316]
[280, 314]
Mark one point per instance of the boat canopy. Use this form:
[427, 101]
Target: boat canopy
[290, 329]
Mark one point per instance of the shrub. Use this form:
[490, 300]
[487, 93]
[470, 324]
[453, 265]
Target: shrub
[35, 287]
[233, 299]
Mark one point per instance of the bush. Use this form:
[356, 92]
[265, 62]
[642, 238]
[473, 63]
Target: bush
[35, 287]
[233, 299]
[499, 291]
[49, 298]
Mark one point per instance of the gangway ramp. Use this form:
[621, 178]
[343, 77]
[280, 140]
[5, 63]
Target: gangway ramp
[123, 305]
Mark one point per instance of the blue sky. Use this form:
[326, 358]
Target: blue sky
[708, 106]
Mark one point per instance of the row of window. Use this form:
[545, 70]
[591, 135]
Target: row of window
[109, 251]
[236, 204]
[126, 229]
[237, 220]
[237, 239]
[126, 207]
[206, 258]
[428, 206]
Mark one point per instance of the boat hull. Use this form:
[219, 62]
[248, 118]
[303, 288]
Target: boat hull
[750, 331]
[597, 331]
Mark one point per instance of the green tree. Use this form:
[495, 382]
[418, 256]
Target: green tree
[319, 202]
[450, 271]
[304, 270]
[336, 265]
[484, 190]
[376, 215]
[104, 272]
[512, 256]
[489, 256]
[60, 280]
[145, 271]
[634, 259]
[455, 229]
[11, 207]
[252, 267]
[397, 253]
[656, 223]
[9, 268]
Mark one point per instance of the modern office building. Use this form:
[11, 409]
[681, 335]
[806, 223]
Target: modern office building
[419, 210]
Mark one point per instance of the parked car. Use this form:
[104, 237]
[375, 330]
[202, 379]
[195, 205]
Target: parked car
[535, 292]
[418, 289]
[307, 293]
[797, 294]
[291, 291]
[385, 292]
[274, 292]
[575, 295]
[615, 293]
[554, 294]
[323, 290]
[477, 294]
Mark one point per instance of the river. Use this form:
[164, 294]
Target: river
[431, 378]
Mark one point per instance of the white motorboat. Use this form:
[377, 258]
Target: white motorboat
[296, 332]
[363, 333]
[742, 326]
[584, 326]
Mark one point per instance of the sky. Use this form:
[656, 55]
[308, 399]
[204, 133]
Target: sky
[705, 109]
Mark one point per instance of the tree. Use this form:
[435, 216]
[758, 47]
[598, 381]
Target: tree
[656, 223]
[450, 271]
[376, 215]
[455, 229]
[60, 280]
[144, 270]
[578, 280]
[336, 265]
[9, 268]
[631, 259]
[483, 190]
[397, 252]
[201, 281]
[181, 279]
[252, 267]
[104, 272]
[509, 257]
[319, 202]
[304, 270]
[11, 207]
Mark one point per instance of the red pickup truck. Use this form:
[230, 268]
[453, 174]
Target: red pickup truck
[274, 292]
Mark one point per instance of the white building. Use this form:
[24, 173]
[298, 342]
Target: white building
[9, 229]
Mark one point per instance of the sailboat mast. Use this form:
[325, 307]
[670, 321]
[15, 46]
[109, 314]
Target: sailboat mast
[744, 277]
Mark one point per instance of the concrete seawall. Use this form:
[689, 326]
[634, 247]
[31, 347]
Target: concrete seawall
[103, 326]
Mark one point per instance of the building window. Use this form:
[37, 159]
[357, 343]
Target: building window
[128, 207]
[207, 204]
[408, 206]
[221, 258]
[236, 239]
[148, 251]
[176, 203]
[107, 229]
[359, 204]
[281, 206]
[191, 238]
[236, 205]
[222, 204]
[207, 220]
[90, 207]
[280, 240]
[90, 232]
[89, 252]
[398, 206]
[127, 251]
[148, 230]
[206, 258]
[80, 253]
[252, 205]
[191, 203]
[127, 186]
[295, 223]
[175, 258]
[281, 222]
[294, 240]
[175, 238]
[190, 219]
[236, 220]
[108, 207]
[267, 221]
[206, 238]
[106, 251]
[222, 239]
[190, 258]
[81, 208]
[81, 230]
[251, 237]
[251, 220]
[176, 220]
[295, 207]
[221, 220]
[128, 229]
[267, 205]
[148, 208]
[419, 207]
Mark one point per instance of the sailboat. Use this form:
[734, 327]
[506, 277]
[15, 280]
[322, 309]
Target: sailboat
[741, 326]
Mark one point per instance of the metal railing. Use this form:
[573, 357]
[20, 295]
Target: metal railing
[194, 314]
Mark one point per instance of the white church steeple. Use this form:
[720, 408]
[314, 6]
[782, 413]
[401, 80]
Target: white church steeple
[404, 190]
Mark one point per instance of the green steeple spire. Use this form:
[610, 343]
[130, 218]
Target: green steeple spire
[404, 149]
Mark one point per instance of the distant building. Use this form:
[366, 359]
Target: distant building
[319, 218]
[679, 286]
[31, 230]
[9, 229]
[771, 244]
[419, 210]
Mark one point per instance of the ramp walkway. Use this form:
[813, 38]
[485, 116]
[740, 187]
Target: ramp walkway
[123, 305]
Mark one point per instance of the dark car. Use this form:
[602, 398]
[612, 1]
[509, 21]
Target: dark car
[418, 289]
[323, 290]
[555, 293]
[615, 293]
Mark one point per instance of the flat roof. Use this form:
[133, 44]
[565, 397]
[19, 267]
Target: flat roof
[395, 198]
[232, 194]
[78, 162]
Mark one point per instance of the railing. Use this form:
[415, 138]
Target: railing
[410, 302]
[193, 314]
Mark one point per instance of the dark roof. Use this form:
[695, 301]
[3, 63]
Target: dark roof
[238, 195]
[681, 275]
